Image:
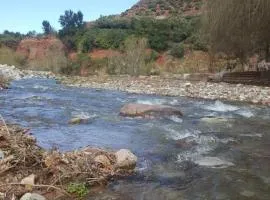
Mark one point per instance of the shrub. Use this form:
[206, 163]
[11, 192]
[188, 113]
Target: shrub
[10, 57]
[158, 42]
[135, 60]
[101, 38]
[74, 67]
[198, 43]
[178, 50]
[79, 189]
[112, 22]
[54, 60]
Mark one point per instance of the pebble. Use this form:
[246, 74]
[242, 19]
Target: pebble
[155, 85]
[32, 196]
[29, 180]
[2, 155]
[13, 73]
[173, 87]
[247, 193]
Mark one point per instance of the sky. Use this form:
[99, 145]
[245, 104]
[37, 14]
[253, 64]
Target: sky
[27, 15]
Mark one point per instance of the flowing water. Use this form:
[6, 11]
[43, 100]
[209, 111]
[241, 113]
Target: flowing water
[225, 153]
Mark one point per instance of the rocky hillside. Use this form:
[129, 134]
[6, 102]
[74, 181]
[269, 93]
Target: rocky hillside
[164, 8]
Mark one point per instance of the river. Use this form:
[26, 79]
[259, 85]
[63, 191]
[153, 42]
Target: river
[225, 153]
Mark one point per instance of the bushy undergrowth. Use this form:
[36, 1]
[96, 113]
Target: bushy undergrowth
[135, 61]
[10, 57]
[54, 60]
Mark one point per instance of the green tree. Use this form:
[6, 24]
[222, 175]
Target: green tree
[178, 50]
[72, 28]
[71, 19]
[47, 28]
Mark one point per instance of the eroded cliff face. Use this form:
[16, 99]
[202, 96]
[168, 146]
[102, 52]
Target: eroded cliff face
[43, 54]
[39, 48]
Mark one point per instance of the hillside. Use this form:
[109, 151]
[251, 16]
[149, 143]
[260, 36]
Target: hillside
[164, 8]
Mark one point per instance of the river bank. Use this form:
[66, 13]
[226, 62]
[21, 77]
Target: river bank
[174, 87]
[217, 149]
[26, 167]
[31, 172]
[166, 86]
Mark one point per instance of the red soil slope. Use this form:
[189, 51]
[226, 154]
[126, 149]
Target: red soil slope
[33, 49]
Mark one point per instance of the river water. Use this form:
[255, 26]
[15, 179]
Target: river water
[218, 150]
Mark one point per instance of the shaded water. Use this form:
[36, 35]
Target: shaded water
[229, 157]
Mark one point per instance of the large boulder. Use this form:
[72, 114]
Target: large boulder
[125, 159]
[144, 110]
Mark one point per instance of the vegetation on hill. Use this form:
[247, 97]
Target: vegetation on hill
[165, 7]
[169, 29]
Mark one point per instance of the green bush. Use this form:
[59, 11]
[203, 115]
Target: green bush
[74, 67]
[79, 189]
[113, 22]
[134, 62]
[178, 50]
[102, 38]
[197, 42]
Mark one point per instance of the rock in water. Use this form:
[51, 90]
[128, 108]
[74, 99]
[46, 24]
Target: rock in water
[185, 143]
[125, 159]
[213, 162]
[76, 121]
[32, 196]
[214, 120]
[144, 110]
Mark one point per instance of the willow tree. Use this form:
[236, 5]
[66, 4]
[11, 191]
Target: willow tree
[238, 28]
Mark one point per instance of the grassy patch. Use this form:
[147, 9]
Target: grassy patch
[79, 189]
[10, 57]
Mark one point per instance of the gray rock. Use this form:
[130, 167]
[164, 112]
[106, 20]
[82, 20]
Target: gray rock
[76, 120]
[144, 110]
[32, 196]
[247, 193]
[2, 155]
[125, 159]
[29, 180]
[213, 162]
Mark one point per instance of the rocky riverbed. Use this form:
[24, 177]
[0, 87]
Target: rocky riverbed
[216, 150]
[9, 73]
[24, 165]
[175, 87]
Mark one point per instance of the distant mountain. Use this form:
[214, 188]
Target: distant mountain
[164, 8]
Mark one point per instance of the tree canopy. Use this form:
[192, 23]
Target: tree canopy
[239, 28]
[71, 19]
[47, 28]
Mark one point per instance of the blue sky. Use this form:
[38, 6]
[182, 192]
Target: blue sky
[23, 16]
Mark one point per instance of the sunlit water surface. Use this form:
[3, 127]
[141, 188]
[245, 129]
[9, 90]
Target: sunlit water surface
[229, 157]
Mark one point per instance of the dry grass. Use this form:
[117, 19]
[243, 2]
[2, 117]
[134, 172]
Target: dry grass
[54, 61]
[54, 170]
[10, 57]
